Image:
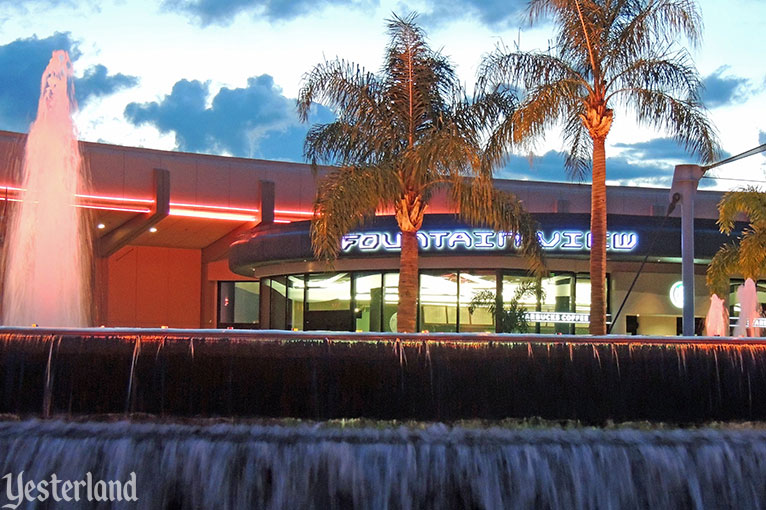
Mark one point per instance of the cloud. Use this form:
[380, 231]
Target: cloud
[722, 90]
[96, 82]
[651, 162]
[223, 12]
[548, 167]
[496, 14]
[664, 150]
[25, 4]
[255, 121]
[23, 62]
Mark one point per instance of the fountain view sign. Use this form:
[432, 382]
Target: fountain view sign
[484, 240]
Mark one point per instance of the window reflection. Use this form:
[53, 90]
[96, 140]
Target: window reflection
[368, 301]
[438, 301]
[472, 284]
[239, 304]
[328, 302]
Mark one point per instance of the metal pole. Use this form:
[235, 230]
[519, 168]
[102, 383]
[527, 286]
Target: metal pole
[685, 180]
[687, 256]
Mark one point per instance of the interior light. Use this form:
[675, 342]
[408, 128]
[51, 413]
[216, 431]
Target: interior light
[101, 226]
[153, 229]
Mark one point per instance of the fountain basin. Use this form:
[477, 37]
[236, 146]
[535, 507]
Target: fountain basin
[430, 377]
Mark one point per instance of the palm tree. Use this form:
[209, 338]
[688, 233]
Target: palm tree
[606, 53]
[400, 136]
[747, 255]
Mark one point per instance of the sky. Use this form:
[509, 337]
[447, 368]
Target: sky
[221, 76]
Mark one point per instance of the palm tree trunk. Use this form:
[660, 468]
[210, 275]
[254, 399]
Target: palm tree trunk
[598, 240]
[408, 283]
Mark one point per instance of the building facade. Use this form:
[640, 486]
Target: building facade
[200, 241]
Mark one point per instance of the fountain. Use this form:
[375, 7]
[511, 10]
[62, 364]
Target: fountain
[717, 320]
[254, 405]
[47, 256]
[748, 310]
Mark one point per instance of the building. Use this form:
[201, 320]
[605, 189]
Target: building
[200, 241]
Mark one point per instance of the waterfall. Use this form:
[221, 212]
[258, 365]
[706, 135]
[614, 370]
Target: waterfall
[226, 466]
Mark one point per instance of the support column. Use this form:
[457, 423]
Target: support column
[685, 181]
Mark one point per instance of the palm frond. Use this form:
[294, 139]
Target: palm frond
[749, 201]
[346, 198]
[545, 106]
[747, 255]
[526, 70]
[685, 120]
[487, 116]
[344, 144]
[752, 253]
[723, 265]
[342, 86]
[671, 73]
[578, 161]
[644, 24]
[479, 203]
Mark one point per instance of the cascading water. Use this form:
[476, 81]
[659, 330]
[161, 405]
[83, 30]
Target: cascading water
[47, 256]
[226, 466]
[748, 310]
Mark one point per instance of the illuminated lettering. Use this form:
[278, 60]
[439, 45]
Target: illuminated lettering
[438, 238]
[558, 317]
[552, 242]
[483, 240]
[624, 241]
[348, 241]
[572, 240]
[388, 244]
[369, 242]
[459, 237]
[423, 240]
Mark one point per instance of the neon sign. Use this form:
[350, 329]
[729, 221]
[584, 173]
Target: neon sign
[483, 240]
[676, 294]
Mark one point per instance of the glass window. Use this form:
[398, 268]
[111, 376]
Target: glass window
[328, 291]
[481, 285]
[527, 300]
[283, 297]
[368, 301]
[582, 301]
[511, 284]
[556, 296]
[225, 303]
[246, 302]
[390, 301]
[295, 292]
[277, 299]
[438, 301]
[328, 302]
